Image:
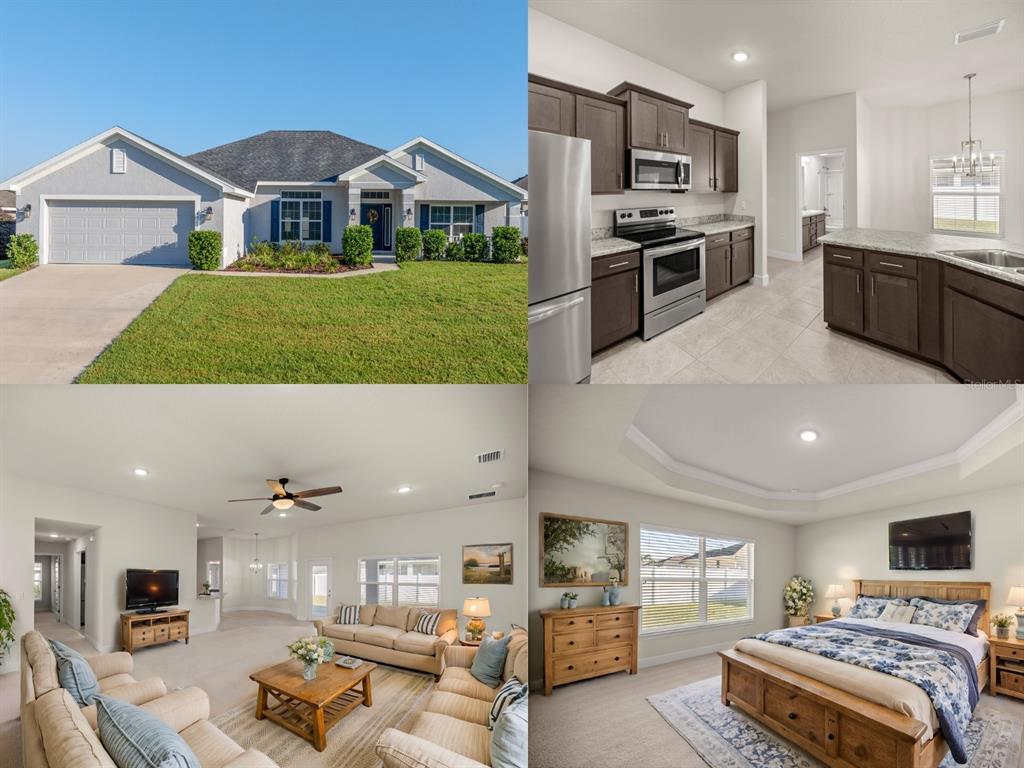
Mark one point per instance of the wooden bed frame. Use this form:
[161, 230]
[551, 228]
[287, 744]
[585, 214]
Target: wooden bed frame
[838, 728]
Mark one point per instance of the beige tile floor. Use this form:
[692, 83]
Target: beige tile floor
[769, 335]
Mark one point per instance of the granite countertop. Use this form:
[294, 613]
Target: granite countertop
[927, 246]
[805, 214]
[718, 227]
[607, 245]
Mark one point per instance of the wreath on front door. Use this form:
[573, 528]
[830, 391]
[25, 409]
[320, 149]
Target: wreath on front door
[371, 216]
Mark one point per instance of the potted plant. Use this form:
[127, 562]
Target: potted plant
[1002, 624]
[7, 617]
[310, 652]
[565, 600]
[613, 590]
[573, 597]
[797, 598]
[206, 587]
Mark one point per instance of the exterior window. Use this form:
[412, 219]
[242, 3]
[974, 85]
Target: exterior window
[967, 205]
[213, 574]
[277, 581]
[301, 216]
[37, 581]
[375, 194]
[399, 581]
[693, 580]
[455, 220]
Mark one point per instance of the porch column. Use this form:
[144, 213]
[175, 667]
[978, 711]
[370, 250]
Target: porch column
[407, 214]
[352, 213]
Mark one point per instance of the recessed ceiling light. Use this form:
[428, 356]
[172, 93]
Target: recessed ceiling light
[282, 514]
[283, 503]
[54, 535]
[740, 56]
[141, 472]
[808, 435]
[404, 489]
[197, 525]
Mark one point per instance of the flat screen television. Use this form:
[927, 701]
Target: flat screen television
[940, 543]
[148, 590]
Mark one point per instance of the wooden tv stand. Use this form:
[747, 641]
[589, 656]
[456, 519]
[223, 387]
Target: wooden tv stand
[142, 629]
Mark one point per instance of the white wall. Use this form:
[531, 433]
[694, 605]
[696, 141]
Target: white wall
[837, 551]
[746, 110]
[775, 556]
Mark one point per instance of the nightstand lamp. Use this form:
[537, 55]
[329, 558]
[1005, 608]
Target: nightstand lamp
[835, 591]
[477, 609]
[1017, 598]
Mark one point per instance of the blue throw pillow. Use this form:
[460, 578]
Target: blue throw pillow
[75, 674]
[136, 739]
[489, 661]
[509, 740]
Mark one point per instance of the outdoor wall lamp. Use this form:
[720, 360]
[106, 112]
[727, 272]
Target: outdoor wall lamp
[408, 211]
[208, 213]
[26, 212]
[352, 212]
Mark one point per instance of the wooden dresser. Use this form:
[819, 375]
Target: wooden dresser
[580, 643]
[141, 629]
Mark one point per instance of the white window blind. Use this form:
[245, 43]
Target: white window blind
[277, 581]
[692, 579]
[962, 204]
[411, 580]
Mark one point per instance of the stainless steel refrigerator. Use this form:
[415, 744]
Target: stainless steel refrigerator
[559, 266]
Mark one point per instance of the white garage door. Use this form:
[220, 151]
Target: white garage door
[86, 232]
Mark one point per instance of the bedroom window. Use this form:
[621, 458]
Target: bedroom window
[693, 579]
[455, 220]
[410, 580]
[301, 216]
[965, 205]
[277, 581]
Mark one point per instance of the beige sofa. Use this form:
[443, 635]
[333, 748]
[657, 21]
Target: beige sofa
[451, 731]
[386, 634]
[57, 733]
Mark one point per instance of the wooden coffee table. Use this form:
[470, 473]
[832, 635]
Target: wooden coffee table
[310, 708]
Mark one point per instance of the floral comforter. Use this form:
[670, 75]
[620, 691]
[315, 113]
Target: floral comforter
[944, 671]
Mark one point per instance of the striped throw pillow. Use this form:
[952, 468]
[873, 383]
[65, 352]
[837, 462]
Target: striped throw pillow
[427, 623]
[508, 693]
[349, 614]
[137, 739]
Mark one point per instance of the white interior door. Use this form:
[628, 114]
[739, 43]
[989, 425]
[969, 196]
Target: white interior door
[319, 588]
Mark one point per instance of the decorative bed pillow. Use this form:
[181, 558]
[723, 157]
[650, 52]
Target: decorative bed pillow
[137, 739]
[75, 674]
[508, 693]
[427, 623]
[489, 661]
[972, 628]
[898, 614]
[349, 614]
[868, 607]
[510, 736]
[955, 617]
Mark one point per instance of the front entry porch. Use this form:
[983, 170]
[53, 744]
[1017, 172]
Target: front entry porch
[378, 216]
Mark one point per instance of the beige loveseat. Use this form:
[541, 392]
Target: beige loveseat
[386, 634]
[57, 733]
[451, 731]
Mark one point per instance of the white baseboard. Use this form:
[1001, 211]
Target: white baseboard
[689, 653]
[785, 255]
[760, 280]
[260, 608]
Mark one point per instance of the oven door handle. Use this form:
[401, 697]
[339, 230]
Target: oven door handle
[668, 250]
[556, 310]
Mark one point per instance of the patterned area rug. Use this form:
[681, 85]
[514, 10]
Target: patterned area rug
[724, 737]
[396, 693]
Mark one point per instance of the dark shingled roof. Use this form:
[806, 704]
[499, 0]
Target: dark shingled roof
[285, 156]
[522, 182]
[6, 198]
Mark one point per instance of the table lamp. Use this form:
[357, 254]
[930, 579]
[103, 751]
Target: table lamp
[477, 609]
[835, 591]
[1017, 598]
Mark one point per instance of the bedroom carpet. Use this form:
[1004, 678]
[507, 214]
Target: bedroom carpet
[727, 738]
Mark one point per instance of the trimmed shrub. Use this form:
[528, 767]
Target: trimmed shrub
[455, 251]
[23, 251]
[408, 244]
[476, 246]
[357, 245]
[289, 255]
[204, 248]
[506, 244]
[6, 232]
[434, 243]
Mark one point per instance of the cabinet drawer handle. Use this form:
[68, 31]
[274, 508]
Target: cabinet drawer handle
[571, 622]
[618, 636]
[872, 285]
[636, 283]
[792, 715]
[620, 264]
[889, 264]
[572, 642]
[840, 256]
[616, 658]
[831, 737]
[858, 282]
[616, 618]
[590, 621]
[570, 667]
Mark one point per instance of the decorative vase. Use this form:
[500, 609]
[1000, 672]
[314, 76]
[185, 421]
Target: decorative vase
[572, 603]
[309, 670]
[1003, 633]
[565, 602]
[328, 647]
[614, 596]
[605, 598]
[798, 621]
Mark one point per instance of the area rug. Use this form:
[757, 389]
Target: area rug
[350, 743]
[724, 737]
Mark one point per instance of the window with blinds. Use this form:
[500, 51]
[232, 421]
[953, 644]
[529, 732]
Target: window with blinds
[410, 580]
[967, 205]
[693, 579]
[277, 581]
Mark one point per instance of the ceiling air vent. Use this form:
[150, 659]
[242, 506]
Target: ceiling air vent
[992, 28]
[487, 458]
[482, 495]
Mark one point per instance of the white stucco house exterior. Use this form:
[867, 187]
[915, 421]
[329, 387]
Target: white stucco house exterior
[118, 198]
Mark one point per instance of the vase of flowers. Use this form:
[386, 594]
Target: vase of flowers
[1002, 624]
[309, 651]
[328, 647]
[797, 598]
[613, 591]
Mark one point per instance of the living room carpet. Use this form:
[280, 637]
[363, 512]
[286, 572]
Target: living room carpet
[396, 693]
[724, 737]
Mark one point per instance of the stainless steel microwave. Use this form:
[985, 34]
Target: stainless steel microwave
[658, 170]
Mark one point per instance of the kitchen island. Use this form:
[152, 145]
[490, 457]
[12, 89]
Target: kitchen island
[905, 291]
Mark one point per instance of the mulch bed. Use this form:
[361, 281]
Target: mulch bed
[234, 267]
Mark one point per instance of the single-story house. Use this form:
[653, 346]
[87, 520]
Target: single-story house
[118, 198]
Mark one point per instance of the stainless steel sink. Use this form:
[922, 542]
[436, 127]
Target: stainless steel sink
[1008, 260]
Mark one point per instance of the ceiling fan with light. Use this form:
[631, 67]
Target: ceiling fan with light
[284, 499]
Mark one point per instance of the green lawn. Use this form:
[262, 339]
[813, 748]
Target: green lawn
[6, 270]
[983, 227]
[689, 613]
[427, 322]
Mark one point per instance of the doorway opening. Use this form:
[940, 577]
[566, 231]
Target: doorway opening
[820, 193]
[319, 587]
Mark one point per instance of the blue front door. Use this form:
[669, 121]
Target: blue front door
[378, 217]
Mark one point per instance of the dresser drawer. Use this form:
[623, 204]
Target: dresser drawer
[715, 241]
[142, 636]
[591, 664]
[797, 712]
[742, 234]
[845, 256]
[572, 623]
[616, 262]
[614, 636]
[894, 265]
[1011, 681]
[160, 632]
[1010, 653]
[621, 619]
[177, 630]
[573, 641]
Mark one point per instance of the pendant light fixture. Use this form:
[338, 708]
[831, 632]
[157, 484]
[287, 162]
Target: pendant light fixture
[971, 161]
[256, 566]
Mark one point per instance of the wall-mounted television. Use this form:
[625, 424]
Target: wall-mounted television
[148, 590]
[940, 543]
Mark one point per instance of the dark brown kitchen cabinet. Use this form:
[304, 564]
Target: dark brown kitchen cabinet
[714, 158]
[727, 177]
[551, 109]
[892, 310]
[844, 299]
[728, 261]
[812, 228]
[654, 120]
[742, 266]
[717, 268]
[615, 299]
[983, 320]
[806, 235]
[604, 123]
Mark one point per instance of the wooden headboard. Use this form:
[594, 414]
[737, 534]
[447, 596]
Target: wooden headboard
[943, 590]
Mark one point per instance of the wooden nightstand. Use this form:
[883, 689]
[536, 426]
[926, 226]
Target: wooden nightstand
[1006, 670]
[821, 618]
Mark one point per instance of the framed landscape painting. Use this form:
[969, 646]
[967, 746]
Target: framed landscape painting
[582, 552]
[487, 564]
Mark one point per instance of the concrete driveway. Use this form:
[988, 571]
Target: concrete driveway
[55, 319]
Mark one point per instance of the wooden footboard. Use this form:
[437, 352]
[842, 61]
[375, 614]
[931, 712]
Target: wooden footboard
[838, 728]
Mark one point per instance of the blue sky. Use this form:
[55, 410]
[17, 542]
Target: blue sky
[192, 75]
